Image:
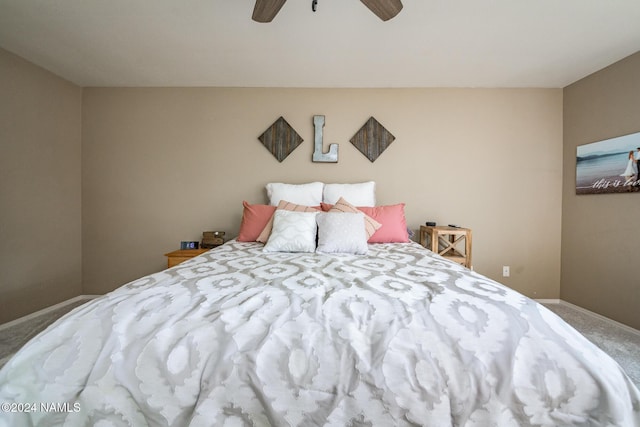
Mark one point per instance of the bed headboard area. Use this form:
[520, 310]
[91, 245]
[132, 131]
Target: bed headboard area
[162, 165]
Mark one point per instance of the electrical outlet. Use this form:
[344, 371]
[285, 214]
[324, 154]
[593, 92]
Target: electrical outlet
[505, 271]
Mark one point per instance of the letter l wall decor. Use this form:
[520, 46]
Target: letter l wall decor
[318, 155]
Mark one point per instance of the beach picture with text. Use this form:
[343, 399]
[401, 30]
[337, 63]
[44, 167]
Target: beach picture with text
[609, 166]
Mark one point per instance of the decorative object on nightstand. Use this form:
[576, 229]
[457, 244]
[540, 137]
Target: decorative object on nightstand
[448, 241]
[211, 239]
[181, 255]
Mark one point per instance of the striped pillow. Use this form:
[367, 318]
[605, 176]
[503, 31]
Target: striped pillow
[287, 206]
[370, 224]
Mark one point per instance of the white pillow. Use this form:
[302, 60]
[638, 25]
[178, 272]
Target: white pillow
[300, 194]
[341, 233]
[362, 194]
[292, 232]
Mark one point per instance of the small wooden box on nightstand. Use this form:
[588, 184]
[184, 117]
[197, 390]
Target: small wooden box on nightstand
[445, 241]
[181, 255]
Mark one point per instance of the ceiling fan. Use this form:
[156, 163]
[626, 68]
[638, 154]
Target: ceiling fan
[266, 10]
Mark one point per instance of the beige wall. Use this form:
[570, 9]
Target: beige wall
[600, 233]
[161, 165]
[40, 204]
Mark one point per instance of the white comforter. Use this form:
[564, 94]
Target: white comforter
[238, 337]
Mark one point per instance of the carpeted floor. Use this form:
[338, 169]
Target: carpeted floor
[620, 343]
[14, 337]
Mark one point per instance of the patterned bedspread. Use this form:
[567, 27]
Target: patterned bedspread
[238, 337]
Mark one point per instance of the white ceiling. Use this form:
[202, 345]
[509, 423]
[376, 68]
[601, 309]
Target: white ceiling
[431, 43]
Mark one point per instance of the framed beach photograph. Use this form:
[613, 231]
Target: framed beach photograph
[609, 166]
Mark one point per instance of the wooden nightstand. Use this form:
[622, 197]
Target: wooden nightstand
[446, 241]
[181, 255]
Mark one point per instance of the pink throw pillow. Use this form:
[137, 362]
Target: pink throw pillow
[326, 207]
[394, 223]
[254, 219]
[287, 206]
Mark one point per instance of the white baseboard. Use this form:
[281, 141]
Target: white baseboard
[46, 310]
[591, 313]
[548, 301]
[601, 317]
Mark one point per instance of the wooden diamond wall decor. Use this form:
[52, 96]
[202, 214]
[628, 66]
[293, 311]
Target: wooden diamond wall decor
[280, 139]
[372, 139]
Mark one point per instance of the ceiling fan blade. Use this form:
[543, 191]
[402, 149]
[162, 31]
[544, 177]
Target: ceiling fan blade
[266, 10]
[384, 9]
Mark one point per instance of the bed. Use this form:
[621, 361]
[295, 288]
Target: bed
[241, 336]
